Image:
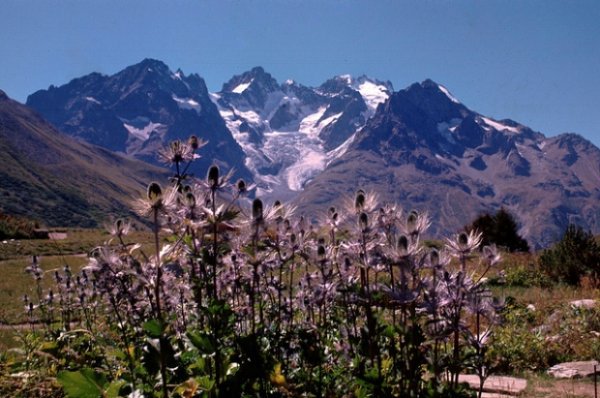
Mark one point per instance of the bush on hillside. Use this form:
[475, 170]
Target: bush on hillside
[15, 227]
[576, 255]
[500, 229]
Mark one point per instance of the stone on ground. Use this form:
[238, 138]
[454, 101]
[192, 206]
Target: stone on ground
[585, 303]
[572, 370]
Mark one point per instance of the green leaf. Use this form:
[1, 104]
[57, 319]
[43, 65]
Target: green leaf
[113, 389]
[153, 328]
[202, 342]
[82, 384]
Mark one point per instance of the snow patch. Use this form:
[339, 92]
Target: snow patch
[499, 126]
[144, 132]
[340, 150]
[310, 126]
[447, 93]
[242, 87]
[94, 100]
[187, 103]
[310, 163]
[373, 94]
[347, 78]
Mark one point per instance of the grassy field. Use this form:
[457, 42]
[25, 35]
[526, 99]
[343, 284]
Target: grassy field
[52, 254]
[77, 241]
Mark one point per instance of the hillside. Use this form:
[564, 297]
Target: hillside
[53, 178]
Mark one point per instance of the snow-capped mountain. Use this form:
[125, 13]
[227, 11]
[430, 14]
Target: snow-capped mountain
[139, 110]
[419, 146]
[290, 132]
[427, 151]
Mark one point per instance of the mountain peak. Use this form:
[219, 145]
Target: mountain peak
[430, 85]
[255, 78]
[3, 96]
[152, 63]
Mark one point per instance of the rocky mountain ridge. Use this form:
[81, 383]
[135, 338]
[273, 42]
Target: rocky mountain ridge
[419, 146]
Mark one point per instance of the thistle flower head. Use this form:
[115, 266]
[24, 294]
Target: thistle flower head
[176, 152]
[437, 259]
[195, 143]
[464, 243]
[363, 221]
[156, 201]
[363, 202]
[120, 227]
[416, 223]
[257, 210]
[491, 255]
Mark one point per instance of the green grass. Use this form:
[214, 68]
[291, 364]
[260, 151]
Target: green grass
[15, 282]
[78, 241]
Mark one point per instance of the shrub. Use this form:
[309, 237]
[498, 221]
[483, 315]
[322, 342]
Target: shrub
[12, 227]
[576, 255]
[500, 229]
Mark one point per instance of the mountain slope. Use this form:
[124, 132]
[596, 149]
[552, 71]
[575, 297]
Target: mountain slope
[419, 146]
[55, 179]
[290, 132]
[140, 110]
[427, 151]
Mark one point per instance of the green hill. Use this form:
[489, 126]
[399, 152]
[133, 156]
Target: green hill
[48, 176]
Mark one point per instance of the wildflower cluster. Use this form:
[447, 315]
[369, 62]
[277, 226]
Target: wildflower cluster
[239, 298]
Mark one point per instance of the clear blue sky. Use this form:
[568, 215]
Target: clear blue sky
[537, 62]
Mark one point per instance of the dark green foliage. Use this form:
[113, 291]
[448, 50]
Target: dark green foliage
[576, 255]
[16, 227]
[500, 229]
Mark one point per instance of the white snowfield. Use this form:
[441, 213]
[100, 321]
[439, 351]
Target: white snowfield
[372, 93]
[187, 103]
[242, 87]
[144, 132]
[450, 96]
[293, 154]
[498, 126]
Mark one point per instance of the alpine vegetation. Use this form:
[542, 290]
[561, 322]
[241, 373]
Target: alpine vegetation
[237, 298]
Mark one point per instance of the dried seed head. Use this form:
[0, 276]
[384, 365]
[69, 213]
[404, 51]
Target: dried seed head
[154, 192]
[241, 186]
[193, 142]
[213, 176]
[359, 201]
[257, 209]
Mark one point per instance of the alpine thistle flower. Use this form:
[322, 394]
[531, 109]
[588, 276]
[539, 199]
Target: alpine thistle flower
[155, 201]
[195, 143]
[463, 243]
[176, 152]
[416, 223]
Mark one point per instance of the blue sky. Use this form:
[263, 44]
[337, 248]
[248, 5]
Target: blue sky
[537, 62]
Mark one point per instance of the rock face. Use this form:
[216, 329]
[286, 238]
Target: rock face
[139, 110]
[571, 370]
[426, 151]
[419, 147]
[289, 131]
